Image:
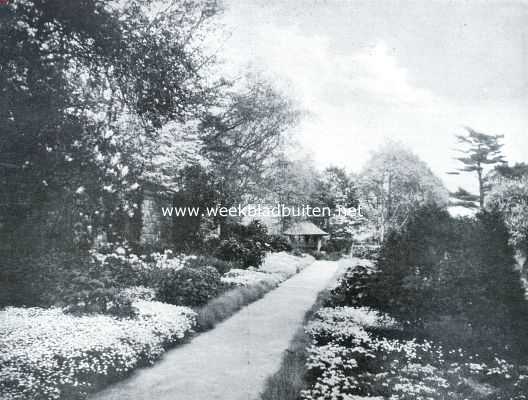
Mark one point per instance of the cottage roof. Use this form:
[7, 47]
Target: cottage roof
[304, 228]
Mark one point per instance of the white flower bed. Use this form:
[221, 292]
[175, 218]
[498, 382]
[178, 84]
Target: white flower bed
[347, 361]
[165, 260]
[277, 267]
[248, 277]
[47, 354]
[285, 264]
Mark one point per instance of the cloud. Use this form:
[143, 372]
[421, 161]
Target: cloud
[359, 97]
[313, 70]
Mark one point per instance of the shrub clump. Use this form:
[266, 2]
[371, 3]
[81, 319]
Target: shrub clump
[244, 244]
[189, 286]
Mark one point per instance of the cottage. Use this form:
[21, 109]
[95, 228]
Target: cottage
[305, 235]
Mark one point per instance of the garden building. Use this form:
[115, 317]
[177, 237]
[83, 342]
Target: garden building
[305, 235]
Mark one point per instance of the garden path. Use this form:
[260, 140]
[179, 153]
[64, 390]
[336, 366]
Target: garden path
[233, 360]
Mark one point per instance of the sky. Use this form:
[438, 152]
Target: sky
[411, 71]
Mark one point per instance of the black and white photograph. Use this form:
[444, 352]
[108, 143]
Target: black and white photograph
[263, 199]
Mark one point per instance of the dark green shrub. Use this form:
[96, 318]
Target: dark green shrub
[93, 289]
[278, 243]
[440, 268]
[354, 287]
[244, 244]
[33, 280]
[334, 245]
[221, 266]
[369, 252]
[75, 281]
[189, 286]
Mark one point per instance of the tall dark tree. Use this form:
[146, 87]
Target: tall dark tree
[242, 137]
[85, 90]
[479, 151]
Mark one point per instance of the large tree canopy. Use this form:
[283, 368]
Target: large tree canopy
[99, 96]
[394, 182]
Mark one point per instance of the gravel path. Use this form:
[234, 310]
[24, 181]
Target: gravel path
[232, 361]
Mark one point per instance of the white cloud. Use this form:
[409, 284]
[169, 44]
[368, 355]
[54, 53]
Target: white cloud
[358, 98]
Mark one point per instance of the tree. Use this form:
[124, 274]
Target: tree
[335, 188]
[508, 194]
[394, 183]
[480, 150]
[243, 134]
[87, 89]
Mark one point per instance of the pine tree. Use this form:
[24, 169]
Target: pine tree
[479, 150]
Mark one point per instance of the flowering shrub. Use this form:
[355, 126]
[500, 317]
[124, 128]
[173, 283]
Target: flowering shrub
[46, 354]
[139, 293]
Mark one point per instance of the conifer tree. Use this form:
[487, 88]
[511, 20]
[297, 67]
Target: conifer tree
[479, 150]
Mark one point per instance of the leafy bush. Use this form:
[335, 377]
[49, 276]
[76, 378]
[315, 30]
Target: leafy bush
[334, 245]
[189, 286]
[30, 280]
[244, 244]
[278, 243]
[440, 266]
[221, 266]
[369, 252]
[354, 286]
[75, 281]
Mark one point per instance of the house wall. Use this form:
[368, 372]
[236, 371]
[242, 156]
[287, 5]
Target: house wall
[155, 228]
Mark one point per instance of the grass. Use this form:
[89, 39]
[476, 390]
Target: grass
[229, 303]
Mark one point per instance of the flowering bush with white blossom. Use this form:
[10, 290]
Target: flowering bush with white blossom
[47, 354]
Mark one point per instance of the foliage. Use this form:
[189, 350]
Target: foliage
[73, 280]
[354, 286]
[510, 198]
[189, 286]
[355, 355]
[197, 187]
[245, 244]
[394, 183]
[100, 99]
[47, 354]
[278, 243]
[479, 150]
[220, 265]
[85, 282]
[85, 99]
[439, 266]
[242, 137]
[337, 246]
[365, 251]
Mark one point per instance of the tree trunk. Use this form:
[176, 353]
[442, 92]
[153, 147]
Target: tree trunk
[481, 187]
